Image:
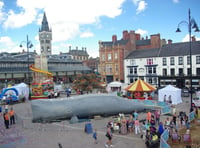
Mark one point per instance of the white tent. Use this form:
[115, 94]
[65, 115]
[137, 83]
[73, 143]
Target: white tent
[172, 92]
[115, 86]
[22, 89]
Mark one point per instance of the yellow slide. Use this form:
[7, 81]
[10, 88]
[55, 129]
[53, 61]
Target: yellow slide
[40, 71]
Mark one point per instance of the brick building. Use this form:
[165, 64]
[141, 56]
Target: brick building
[112, 53]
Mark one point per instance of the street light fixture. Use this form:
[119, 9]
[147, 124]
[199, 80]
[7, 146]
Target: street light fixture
[28, 45]
[191, 25]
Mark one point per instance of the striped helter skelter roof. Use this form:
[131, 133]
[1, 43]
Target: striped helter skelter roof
[140, 86]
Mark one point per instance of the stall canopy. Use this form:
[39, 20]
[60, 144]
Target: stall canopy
[140, 86]
[170, 92]
[115, 86]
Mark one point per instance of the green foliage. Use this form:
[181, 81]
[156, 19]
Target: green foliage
[87, 82]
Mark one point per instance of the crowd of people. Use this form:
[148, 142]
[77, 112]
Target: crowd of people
[150, 129]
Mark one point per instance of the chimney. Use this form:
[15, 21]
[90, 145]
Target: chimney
[137, 36]
[114, 38]
[193, 38]
[60, 53]
[169, 41]
[146, 37]
[70, 48]
[34, 51]
[76, 47]
[125, 35]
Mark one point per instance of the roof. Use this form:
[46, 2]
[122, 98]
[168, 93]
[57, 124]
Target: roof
[144, 53]
[45, 25]
[78, 52]
[173, 49]
[118, 42]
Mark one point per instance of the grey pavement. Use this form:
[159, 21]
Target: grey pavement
[25, 134]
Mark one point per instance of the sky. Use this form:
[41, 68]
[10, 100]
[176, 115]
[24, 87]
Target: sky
[83, 23]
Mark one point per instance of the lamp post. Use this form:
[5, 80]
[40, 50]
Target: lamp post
[191, 25]
[28, 45]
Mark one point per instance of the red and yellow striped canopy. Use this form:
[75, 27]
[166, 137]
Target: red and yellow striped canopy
[140, 86]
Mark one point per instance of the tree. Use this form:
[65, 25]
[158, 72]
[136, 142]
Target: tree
[87, 82]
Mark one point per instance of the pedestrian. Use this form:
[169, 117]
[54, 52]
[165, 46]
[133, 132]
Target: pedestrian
[149, 116]
[144, 130]
[6, 119]
[12, 116]
[95, 136]
[157, 115]
[135, 115]
[109, 136]
[137, 126]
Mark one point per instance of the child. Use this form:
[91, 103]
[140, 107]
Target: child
[95, 136]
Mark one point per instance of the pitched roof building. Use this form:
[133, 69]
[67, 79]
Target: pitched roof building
[112, 53]
[169, 64]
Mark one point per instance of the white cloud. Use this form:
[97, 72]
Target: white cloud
[65, 17]
[186, 38]
[7, 45]
[141, 5]
[175, 1]
[141, 32]
[86, 34]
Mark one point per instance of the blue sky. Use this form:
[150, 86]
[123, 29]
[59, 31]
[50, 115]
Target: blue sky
[83, 23]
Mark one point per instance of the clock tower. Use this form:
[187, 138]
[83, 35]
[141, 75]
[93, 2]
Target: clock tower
[45, 37]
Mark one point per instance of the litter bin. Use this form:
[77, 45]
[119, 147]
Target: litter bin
[88, 128]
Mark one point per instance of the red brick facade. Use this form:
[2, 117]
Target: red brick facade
[112, 53]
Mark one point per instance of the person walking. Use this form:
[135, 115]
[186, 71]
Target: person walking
[149, 116]
[6, 119]
[95, 136]
[137, 126]
[12, 116]
[109, 136]
[157, 115]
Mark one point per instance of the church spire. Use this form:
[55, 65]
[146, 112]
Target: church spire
[45, 25]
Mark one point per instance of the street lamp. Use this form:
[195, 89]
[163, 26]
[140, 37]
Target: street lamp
[28, 45]
[191, 25]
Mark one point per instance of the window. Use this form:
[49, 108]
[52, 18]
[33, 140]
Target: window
[164, 61]
[116, 68]
[171, 60]
[132, 62]
[151, 70]
[180, 71]
[109, 56]
[47, 41]
[131, 80]
[172, 71]
[131, 70]
[198, 71]
[103, 57]
[135, 70]
[164, 72]
[109, 68]
[188, 60]
[180, 60]
[197, 59]
[149, 61]
[116, 56]
[188, 72]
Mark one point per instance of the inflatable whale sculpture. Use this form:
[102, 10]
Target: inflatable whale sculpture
[83, 106]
